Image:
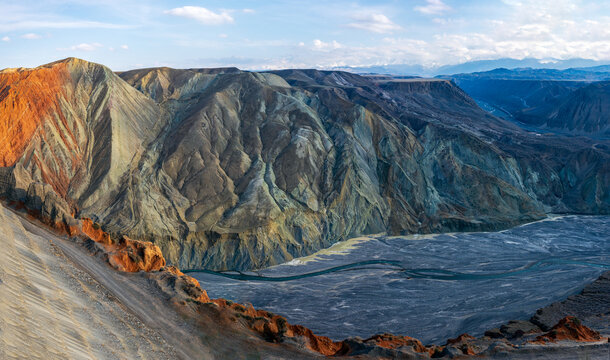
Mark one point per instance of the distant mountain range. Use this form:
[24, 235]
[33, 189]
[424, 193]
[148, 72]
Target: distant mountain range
[594, 73]
[477, 66]
[574, 101]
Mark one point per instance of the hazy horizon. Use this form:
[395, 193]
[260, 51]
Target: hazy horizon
[293, 34]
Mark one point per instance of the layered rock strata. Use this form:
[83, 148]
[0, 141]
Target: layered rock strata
[225, 169]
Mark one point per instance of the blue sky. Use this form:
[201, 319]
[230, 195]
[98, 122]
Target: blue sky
[125, 34]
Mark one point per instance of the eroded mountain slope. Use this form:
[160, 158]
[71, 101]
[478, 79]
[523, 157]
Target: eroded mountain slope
[236, 170]
[283, 171]
[568, 101]
[585, 111]
[75, 126]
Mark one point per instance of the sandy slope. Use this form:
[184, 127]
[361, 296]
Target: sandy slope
[59, 302]
[50, 309]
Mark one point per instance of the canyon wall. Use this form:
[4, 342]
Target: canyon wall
[227, 169]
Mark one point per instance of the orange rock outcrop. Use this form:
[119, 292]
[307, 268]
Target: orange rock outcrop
[275, 328]
[133, 255]
[95, 232]
[126, 254]
[171, 276]
[569, 328]
[460, 339]
[391, 341]
[463, 343]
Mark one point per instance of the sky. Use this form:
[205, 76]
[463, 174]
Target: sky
[274, 34]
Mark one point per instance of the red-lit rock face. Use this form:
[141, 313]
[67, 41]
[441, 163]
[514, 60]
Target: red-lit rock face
[133, 255]
[43, 121]
[391, 341]
[126, 254]
[569, 328]
[27, 97]
[73, 125]
[95, 232]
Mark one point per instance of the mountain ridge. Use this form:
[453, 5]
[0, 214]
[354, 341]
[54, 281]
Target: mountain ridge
[227, 169]
[475, 66]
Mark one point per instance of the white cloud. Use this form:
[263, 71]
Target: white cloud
[124, 47]
[544, 29]
[321, 45]
[20, 25]
[223, 36]
[202, 15]
[6, 39]
[456, 22]
[377, 23]
[249, 11]
[84, 47]
[31, 36]
[433, 7]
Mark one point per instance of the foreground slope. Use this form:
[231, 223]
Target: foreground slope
[65, 298]
[168, 315]
[235, 170]
[51, 308]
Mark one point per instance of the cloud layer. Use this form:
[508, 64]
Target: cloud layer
[544, 29]
[31, 36]
[433, 7]
[264, 35]
[202, 15]
[83, 47]
[377, 23]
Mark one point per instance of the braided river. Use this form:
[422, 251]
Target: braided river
[431, 287]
